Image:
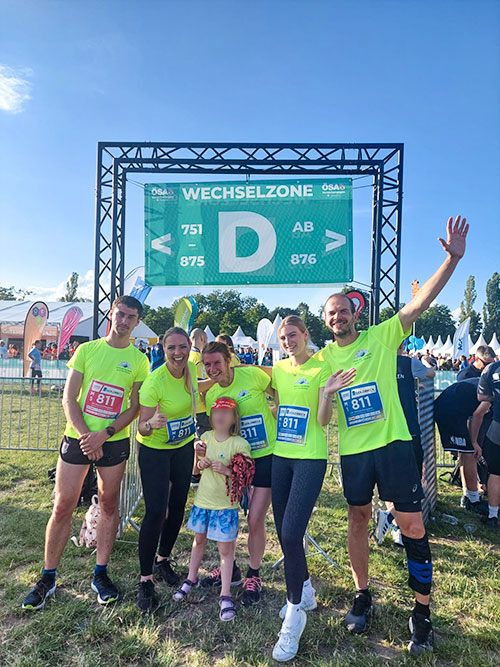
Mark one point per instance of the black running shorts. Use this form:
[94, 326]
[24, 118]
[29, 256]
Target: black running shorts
[114, 452]
[454, 434]
[491, 453]
[263, 471]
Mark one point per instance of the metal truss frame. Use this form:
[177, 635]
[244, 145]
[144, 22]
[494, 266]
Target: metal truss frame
[384, 162]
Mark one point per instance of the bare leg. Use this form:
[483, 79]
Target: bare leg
[261, 499]
[468, 472]
[494, 490]
[108, 490]
[69, 480]
[197, 553]
[412, 525]
[226, 551]
[357, 543]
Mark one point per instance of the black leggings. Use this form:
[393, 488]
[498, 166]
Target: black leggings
[163, 470]
[296, 484]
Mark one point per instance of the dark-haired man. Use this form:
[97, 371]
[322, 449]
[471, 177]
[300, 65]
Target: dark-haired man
[375, 443]
[101, 399]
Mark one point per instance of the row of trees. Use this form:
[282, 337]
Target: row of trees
[490, 323]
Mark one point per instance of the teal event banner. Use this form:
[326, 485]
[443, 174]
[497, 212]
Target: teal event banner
[283, 232]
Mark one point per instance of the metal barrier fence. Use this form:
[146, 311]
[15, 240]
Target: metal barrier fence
[425, 403]
[51, 368]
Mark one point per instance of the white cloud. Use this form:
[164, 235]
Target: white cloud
[14, 89]
[85, 289]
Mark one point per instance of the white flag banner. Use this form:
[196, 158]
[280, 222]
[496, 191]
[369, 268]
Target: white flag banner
[265, 331]
[461, 340]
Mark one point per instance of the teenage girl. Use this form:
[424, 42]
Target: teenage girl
[214, 516]
[304, 393]
[166, 433]
[224, 338]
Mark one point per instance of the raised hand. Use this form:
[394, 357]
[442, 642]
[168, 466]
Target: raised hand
[158, 420]
[456, 234]
[339, 380]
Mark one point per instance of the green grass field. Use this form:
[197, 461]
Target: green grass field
[73, 630]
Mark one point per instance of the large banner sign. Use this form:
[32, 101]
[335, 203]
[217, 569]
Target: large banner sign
[35, 321]
[68, 326]
[252, 233]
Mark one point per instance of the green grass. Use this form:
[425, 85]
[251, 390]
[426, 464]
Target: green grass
[73, 630]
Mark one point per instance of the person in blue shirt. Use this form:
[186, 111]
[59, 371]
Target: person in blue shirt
[36, 363]
[157, 355]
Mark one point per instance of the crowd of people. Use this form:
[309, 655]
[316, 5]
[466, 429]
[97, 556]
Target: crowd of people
[205, 419]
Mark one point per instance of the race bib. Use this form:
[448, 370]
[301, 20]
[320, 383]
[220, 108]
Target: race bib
[362, 404]
[103, 400]
[253, 430]
[180, 429]
[292, 424]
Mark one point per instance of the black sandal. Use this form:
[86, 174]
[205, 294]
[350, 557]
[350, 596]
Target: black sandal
[228, 612]
[181, 594]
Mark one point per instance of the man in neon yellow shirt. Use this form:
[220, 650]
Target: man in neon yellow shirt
[101, 399]
[375, 444]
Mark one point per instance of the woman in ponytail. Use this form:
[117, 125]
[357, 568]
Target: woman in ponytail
[166, 433]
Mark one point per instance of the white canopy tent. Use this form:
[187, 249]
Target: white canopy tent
[240, 339]
[446, 350]
[480, 341]
[210, 334]
[495, 344]
[429, 345]
[437, 345]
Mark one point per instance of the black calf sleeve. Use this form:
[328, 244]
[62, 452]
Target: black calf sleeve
[419, 561]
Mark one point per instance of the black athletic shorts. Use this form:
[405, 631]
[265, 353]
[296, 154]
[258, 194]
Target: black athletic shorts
[202, 423]
[114, 452]
[491, 453]
[392, 468]
[419, 452]
[263, 471]
[454, 434]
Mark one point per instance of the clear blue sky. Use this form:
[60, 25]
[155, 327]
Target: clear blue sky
[423, 73]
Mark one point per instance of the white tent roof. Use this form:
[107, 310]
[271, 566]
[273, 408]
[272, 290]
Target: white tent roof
[438, 344]
[479, 341]
[447, 348]
[14, 312]
[239, 338]
[209, 333]
[495, 344]
[429, 345]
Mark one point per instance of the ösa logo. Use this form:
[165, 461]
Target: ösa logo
[333, 187]
[163, 192]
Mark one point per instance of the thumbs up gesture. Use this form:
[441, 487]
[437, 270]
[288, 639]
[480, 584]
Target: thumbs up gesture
[158, 420]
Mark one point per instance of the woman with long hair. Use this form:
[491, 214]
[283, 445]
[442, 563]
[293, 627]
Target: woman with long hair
[304, 391]
[166, 432]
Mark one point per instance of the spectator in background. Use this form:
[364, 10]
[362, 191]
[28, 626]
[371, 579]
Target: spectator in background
[36, 363]
[157, 355]
[148, 353]
[141, 348]
[13, 351]
[235, 358]
[4, 352]
[247, 357]
[463, 362]
[429, 361]
[485, 355]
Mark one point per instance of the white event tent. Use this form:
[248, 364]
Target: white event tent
[240, 339]
[480, 341]
[495, 344]
[210, 334]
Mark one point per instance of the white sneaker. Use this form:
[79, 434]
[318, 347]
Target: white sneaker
[307, 603]
[288, 639]
[396, 536]
[382, 527]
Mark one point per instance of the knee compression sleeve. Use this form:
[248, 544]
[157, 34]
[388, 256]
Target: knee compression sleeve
[419, 561]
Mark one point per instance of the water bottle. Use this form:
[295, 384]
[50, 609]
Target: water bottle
[448, 518]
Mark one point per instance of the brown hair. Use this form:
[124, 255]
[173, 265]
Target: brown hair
[129, 301]
[225, 338]
[188, 380]
[351, 302]
[236, 427]
[216, 346]
[294, 321]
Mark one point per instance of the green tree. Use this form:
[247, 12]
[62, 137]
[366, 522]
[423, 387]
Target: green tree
[71, 289]
[159, 319]
[13, 294]
[491, 308]
[436, 321]
[467, 307]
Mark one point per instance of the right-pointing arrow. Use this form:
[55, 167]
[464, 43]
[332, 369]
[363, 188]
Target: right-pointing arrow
[157, 244]
[338, 240]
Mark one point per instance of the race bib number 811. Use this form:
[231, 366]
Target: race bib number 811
[180, 429]
[292, 424]
[103, 400]
[362, 404]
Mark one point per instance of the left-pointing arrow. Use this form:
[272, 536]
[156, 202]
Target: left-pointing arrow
[158, 244]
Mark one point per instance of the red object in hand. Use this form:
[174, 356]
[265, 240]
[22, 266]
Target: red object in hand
[242, 471]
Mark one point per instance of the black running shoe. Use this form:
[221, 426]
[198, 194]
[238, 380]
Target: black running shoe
[214, 581]
[252, 591]
[166, 572]
[38, 595]
[357, 618]
[480, 507]
[422, 636]
[105, 588]
[490, 522]
[147, 602]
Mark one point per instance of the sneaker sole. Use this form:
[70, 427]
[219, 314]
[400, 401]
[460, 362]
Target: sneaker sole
[30, 607]
[100, 600]
[291, 657]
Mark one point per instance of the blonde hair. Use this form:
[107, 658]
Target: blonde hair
[186, 373]
[295, 321]
[235, 428]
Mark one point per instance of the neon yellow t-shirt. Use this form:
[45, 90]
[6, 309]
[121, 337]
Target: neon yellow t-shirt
[212, 492]
[109, 373]
[258, 425]
[299, 434]
[201, 374]
[175, 402]
[370, 415]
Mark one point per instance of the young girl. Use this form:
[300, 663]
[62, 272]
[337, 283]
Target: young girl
[214, 516]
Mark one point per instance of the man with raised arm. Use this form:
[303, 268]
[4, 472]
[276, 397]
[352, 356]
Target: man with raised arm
[375, 443]
[101, 399]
